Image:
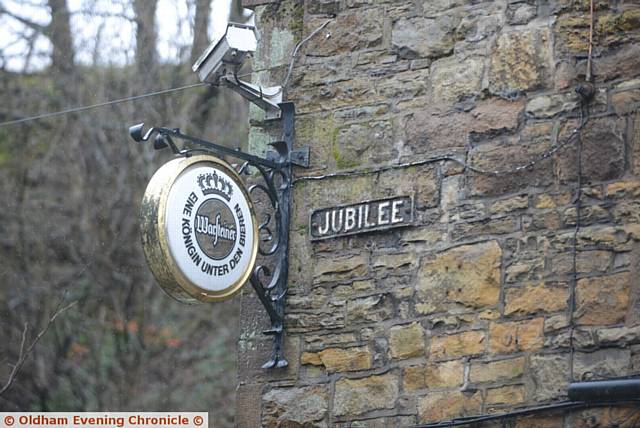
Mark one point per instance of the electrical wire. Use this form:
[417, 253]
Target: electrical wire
[563, 405]
[98, 105]
[451, 157]
[577, 200]
[161, 92]
[285, 82]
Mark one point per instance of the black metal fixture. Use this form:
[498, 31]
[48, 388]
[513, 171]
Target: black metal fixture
[269, 280]
[605, 390]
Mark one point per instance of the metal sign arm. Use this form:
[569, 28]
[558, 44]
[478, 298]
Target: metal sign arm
[163, 139]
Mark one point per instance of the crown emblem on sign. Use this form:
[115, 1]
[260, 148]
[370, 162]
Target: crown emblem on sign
[212, 183]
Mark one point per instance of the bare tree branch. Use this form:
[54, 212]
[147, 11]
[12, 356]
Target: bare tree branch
[22, 20]
[92, 13]
[24, 353]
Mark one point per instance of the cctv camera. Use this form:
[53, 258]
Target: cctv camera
[227, 54]
[220, 63]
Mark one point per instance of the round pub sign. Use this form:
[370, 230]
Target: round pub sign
[199, 230]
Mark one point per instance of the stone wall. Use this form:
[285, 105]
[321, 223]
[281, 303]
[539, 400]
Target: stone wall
[469, 310]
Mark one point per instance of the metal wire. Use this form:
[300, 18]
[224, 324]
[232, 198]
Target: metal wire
[564, 405]
[285, 82]
[451, 157]
[574, 253]
[161, 92]
[103, 104]
[577, 202]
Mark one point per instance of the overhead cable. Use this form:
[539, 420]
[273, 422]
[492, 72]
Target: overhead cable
[98, 105]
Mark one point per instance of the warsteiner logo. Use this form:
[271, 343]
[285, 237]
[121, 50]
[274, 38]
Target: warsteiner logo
[214, 224]
[215, 228]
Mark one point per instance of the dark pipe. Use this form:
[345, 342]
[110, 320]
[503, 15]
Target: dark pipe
[605, 390]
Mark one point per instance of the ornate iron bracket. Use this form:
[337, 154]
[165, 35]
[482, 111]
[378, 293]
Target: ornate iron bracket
[269, 280]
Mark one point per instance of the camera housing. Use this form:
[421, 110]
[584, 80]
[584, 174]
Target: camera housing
[227, 54]
[222, 60]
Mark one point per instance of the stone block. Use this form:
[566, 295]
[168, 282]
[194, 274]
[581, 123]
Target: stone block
[404, 261]
[621, 336]
[467, 275]
[510, 204]
[495, 115]
[338, 268]
[536, 298]
[627, 211]
[420, 37]
[448, 374]
[602, 237]
[524, 270]
[618, 63]
[339, 359]
[369, 309]
[607, 362]
[440, 406]
[323, 7]
[602, 300]
[406, 86]
[333, 96]
[572, 33]
[623, 189]
[485, 227]
[358, 396]
[543, 202]
[325, 340]
[620, 415]
[360, 144]
[550, 376]
[406, 341]
[589, 214]
[477, 26]
[295, 406]
[521, 61]
[499, 370]
[507, 153]
[586, 261]
[520, 13]
[434, 7]
[309, 321]
[431, 129]
[548, 106]
[516, 336]
[626, 102]
[351, 31]
[315, 299]
[510, 394]
[457, 345]
[550, 220]
[455, 78]
[603, 151]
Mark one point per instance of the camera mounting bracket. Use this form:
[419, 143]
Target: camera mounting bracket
[267, 98]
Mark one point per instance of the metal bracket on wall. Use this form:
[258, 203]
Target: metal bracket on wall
[268, 279]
